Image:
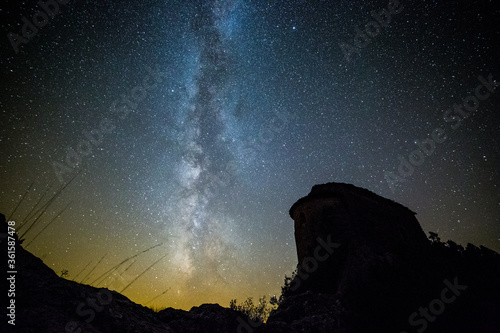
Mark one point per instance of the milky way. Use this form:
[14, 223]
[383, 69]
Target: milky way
[205, 166]
[195, 125]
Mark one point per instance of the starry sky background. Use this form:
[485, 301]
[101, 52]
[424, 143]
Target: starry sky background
[251, 105]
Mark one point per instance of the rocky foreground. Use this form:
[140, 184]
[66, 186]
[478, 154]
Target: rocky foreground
[431, 287]
[45, 302]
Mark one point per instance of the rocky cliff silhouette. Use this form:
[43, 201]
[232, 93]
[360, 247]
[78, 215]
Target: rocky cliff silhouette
[364, 265]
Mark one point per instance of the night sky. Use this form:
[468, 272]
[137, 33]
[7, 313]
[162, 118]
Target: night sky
[197, 124]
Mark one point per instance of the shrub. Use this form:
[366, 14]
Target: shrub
[256, 312]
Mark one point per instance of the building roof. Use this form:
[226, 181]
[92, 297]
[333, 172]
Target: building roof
[331, 189]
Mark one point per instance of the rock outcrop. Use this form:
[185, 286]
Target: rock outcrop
[203, 318]
[365, 265]
[338, 226]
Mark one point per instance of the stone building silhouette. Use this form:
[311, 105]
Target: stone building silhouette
[371, 234]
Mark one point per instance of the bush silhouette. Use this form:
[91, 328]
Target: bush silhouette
[256, 312]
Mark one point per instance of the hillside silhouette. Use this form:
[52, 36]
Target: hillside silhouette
[364, 265]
